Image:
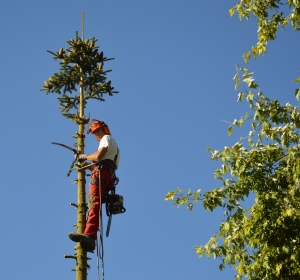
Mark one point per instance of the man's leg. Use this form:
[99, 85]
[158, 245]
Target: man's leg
[90, 233]
[92, 223]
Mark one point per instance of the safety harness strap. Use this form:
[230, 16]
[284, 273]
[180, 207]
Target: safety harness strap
[116, 156]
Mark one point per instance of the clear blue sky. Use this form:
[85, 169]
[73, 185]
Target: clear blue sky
[174, 63]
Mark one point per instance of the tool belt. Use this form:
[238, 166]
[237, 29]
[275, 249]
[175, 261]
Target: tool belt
[110, 166]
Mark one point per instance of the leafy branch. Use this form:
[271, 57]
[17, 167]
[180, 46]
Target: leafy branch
[266, 235]
[271, 16]
[181, 200]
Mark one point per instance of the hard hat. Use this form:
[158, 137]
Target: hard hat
[93, 125]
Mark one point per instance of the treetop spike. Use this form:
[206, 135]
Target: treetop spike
[82, 24]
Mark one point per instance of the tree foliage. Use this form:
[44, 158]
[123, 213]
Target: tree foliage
[262, 241]
[271, 15]
[81, 64]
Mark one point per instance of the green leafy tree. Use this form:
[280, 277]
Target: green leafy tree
[262, 241]
[81, 78]
[271, 15]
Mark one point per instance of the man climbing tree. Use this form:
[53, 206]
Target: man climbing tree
[106, 160]
[82, 78]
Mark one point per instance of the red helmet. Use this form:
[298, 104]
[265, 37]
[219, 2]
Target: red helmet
[93, 125]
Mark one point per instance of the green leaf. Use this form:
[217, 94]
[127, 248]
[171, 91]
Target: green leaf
[230, 130]
[197, 191]
[236, 79]
[285, 249]
[250, 142]
[288, 212]
[231, 11]
[223, 250]
[297, 93]
[199, 250]
[176, 201]
[246, 57]
[170, 195]
[252, 85]
[240, 96]
[190, 207]
[250, 96]
[226, 226]
[297, 80]
[184, 200]
[285, 139]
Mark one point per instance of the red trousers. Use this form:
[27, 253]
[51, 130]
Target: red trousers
[107, 181]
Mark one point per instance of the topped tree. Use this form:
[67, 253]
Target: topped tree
[81, 65]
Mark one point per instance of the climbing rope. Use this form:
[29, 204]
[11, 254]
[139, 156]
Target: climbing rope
[100, 246]
[100, 255]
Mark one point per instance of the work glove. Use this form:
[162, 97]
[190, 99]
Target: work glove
[80, 157]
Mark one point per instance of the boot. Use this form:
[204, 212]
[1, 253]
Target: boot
[87, 241]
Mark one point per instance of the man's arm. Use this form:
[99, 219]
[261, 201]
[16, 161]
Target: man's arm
[98, 155]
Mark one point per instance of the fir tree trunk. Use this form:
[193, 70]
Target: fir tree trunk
[81, 254]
